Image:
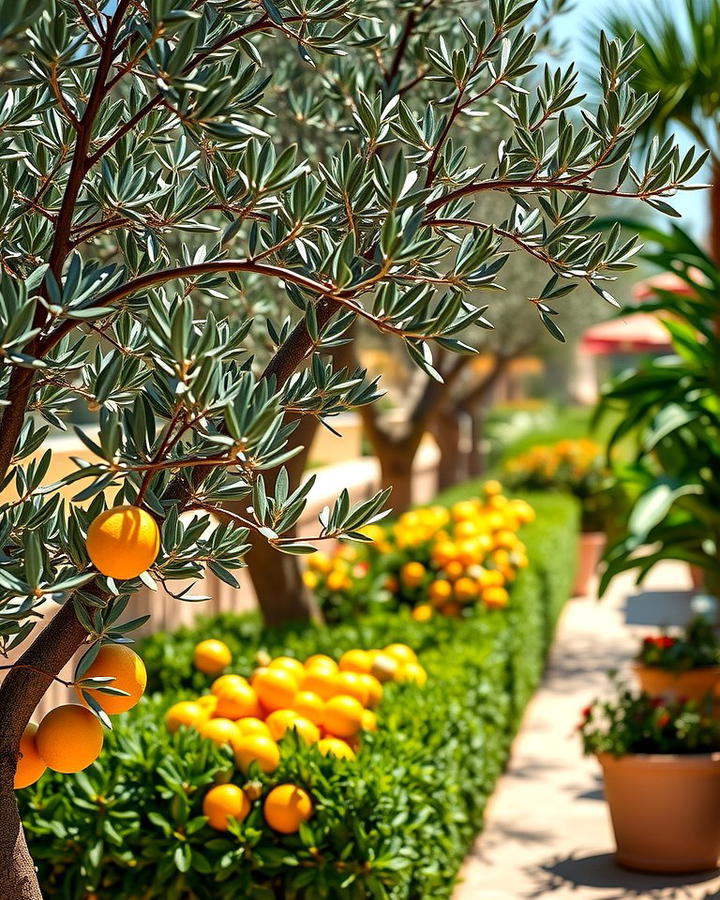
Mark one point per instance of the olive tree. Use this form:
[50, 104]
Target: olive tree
[138, 183]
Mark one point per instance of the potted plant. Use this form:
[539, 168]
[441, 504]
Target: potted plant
[661, 768]
[578, 467]
[686, 665]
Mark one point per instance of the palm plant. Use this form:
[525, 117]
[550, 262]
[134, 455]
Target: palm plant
[680, 63]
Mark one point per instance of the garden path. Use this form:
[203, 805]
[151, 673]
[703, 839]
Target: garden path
[547, 831]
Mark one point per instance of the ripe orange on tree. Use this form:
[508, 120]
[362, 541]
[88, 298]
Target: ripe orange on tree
[250, 748]
[289, 664]
[343, 716]
[374, 689]
[220, 731]
[355, 661]
[212, 656]
[225, 802]
[283, 720]
[310, 705]
[123, 542]
[225, 681]
[185, 712]
[237, 701]
[30, 765]
[275, 688]
[124, 666]
[332, 746]
[412, 574]
[252, 725]
[401, 653]
[69, 738]
[286, 807]
[423, 612]
[353, 685]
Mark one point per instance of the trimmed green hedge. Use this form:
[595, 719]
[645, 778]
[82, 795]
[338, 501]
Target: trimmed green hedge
[396, 823]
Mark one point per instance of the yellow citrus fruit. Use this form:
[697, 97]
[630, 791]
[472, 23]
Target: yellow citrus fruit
[187, 713]
[226, 681]
[454, 569]
[250, 748]
[440, 591]
[369, 720]
[401, 653]
[310, 705]
[252, 725]
[276, 688]
[412, 574]
[352, 684]
[285, 807]
[69, 738]
[492, 488]
[331, 746]
[282, 720]
[343, 716]
[208, 703]
[412, 672]
[320, 659]
[423, 612]
[124, 666]
[320, 680]
[384, 667]
[123, 542]
[238, 701]
[211, 657]
[289, 664]
[374, 689]
[355, 661]
[220, 731]
[495, 597]
[30, 764]
[465, 589]
[225, 802]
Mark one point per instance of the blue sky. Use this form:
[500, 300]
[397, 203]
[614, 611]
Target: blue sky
[573, 28]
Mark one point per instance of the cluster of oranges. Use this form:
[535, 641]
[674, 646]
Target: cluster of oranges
[328, 704]
[69, 738]
[568, 464]
[439, 558]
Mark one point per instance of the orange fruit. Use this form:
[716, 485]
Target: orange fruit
[343, 716]
[285, 807]
[384, 667]
[352, 684]
[211, 657]
[369, 720]
[226, 681]
[331, 746]
[319, 680]
[291, 665]
[310, 705]
[401, 653]
[207, 703]
[283, 719]
[30, 765]
[413, 672]
[124, 666]
[320, 659]
[465, 589]
[374, 689]
[454, 569]
[423, 612]
[276, 688]
[251, 725]
[355, 661]
[186, 712]
[123, 542]
[412, 574]
[238, 701]
[492, 488]
[69, 738]
[225, 802]
[250, 748]
[440, 591]
[220, 731]
[495, 597]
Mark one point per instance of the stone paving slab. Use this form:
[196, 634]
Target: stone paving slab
[547, 831]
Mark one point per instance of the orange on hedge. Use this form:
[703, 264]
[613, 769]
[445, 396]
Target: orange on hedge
[124, 666]
[220, 731]
[123, 542]
[282, 720]
[289, 664]
[355, 661]
[495, 597]
[351, 684]
[185, 712]
[310, 705]
[286, 807]
[384, 667]
[69, 738]
[374, 689]
[225, 802]
[321, 659]
[492, 487]
[237, 701]
[250, 748]
[423, 612]
[401, 653]
[412, 672]
[331, 746]
[225, 681]
[465, 589]
[252, 725]
[412, 574]
[454, 570]
[275, 688]
[208, 703]
[369, 720]
[343, 716]
[319, 680]
[30, 765]
[212, 656]
[440, 591]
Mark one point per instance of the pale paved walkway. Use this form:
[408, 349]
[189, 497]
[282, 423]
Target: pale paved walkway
[547, 831]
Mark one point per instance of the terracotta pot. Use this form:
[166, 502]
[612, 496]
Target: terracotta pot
[592, 544]
[697, 577]
[664, 810]
[695, 684]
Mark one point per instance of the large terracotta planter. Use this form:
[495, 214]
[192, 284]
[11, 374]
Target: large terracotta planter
[694, 684]
[592, 544]
[665, 810]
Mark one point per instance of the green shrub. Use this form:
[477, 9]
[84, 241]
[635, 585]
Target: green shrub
[395, 823]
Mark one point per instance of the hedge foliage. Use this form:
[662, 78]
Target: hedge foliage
[395, 823]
